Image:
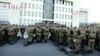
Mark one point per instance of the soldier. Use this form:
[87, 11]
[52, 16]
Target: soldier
[91, 41]
[77, 41]
[22, 29]
[66, 35]
[30, 34]
[25, 38]
[10, 34]
[62, 32]
[34, 34]
[2, 34]
[70, 39]
[87, 35]
[56, 36]
[45, 33]
[38, 34]
[15, 33]
[83, 38]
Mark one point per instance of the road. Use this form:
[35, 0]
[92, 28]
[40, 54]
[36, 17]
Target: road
[36, 49]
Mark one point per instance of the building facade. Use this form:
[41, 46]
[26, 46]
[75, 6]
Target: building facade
[32, 12]
[63, 12]
[83, 15]
[4, 12]
[29, 12]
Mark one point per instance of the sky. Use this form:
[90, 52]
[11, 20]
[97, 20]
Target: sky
[93, 7]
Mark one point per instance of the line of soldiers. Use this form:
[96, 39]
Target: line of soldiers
[37, 34]
[76, 38]
[8, 34]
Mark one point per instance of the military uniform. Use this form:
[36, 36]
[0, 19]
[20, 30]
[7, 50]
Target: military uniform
[56, 35]
[91, 41]
[61, 35]
[30, 34]
[83, 38]
[45, 33]
[70, 39]
[10, 34]
[77, 41]
[38, 34]
[2, 33]
[87, 35]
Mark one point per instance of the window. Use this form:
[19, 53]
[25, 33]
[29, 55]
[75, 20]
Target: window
[33, 14]
[31, 21]
[71, 10]
[20, 13]
[64, 2]
[65, 16]
[57, 1]
[59, 8]
[71, 3]
[71, 17]
[68, 16]
[25, 13]
[63, 9]
[36, 6]
[62, 16]
[60, 2]
[24, 21]
[28, 13]
[36, 14]
[29, 5]
[56, 15]
[40, 14]
[32, 6]
[68, 2]
[25, 5]
[40, 6]
[56, 8]
[68, 9]
[28, 21]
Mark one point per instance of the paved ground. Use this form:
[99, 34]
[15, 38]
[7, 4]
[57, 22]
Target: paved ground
[40, 49]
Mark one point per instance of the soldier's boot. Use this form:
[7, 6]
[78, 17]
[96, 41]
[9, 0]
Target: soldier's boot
[1, 43]
[76, 50]
[10, 41]
[39, 40]
[25, 42]
[29, 43]
[44, 40]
